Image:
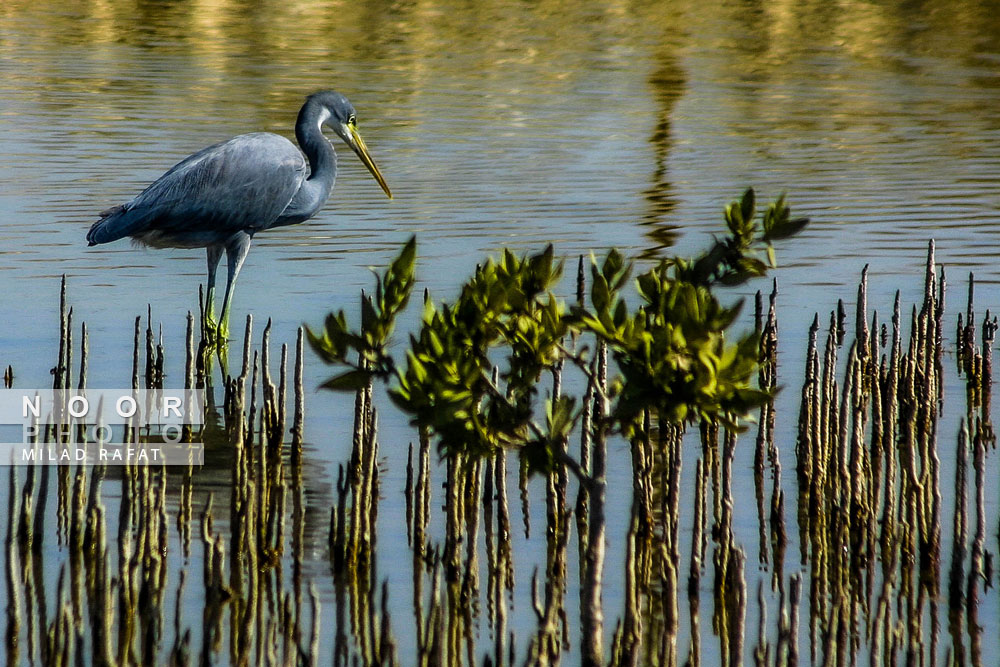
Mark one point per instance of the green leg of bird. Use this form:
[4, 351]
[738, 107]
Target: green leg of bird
[222, 330]
[211, 327]
[236, 252]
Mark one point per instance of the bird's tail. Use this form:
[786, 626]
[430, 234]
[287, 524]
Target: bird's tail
[115, 223]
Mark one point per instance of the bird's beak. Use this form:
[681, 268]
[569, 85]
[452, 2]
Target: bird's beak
[357, 144]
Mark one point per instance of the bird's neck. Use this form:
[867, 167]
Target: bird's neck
[322, 157]
[315, 190]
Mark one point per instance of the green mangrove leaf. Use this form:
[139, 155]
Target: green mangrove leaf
[349, 381]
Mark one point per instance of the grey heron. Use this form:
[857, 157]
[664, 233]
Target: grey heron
[221, 196]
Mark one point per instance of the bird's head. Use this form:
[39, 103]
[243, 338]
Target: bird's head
[338, 113]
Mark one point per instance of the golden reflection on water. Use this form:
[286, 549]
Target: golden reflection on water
[611, 112]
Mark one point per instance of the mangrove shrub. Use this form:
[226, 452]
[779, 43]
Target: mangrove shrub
[471, 373]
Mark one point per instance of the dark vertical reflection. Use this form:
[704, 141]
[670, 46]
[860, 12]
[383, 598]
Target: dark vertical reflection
[666, 83]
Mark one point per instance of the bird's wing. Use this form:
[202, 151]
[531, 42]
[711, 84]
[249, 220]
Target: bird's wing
[240, 184]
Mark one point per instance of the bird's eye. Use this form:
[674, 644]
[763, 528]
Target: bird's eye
[352, 120]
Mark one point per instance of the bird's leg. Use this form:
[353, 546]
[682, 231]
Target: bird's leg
[214, 256]
[236, 252]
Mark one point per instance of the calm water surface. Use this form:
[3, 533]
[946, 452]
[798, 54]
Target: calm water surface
[586, 124]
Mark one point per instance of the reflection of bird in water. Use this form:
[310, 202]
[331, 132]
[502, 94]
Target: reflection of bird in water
[221, 196]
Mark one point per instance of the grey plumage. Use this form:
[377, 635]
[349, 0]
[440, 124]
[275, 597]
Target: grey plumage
[221, 196]
[238, 185]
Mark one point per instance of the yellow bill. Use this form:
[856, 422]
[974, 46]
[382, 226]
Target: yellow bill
[358, 146]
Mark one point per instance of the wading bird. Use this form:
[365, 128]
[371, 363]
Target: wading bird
[221, 196]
